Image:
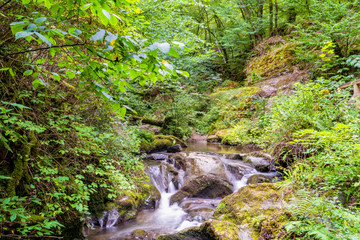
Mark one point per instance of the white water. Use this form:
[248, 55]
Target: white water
[169, 218]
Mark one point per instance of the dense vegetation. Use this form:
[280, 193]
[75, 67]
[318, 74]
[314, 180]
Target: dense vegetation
[74, 74]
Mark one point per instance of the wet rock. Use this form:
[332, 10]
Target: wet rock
[141, 234]
[193, 233]
[236, 170]
[235, 156]
[179, 161]
[258, 178]
[259, 163]
[175, 148]
[205, 186]
[213, 138]
[252, 202]
[199, 209]
[221, 230]
[198, 164]
[157, 157]
[157, 145]
[172, 139]
[152, 200]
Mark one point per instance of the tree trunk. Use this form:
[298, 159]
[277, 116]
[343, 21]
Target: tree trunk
[276, 16]
[271, 17]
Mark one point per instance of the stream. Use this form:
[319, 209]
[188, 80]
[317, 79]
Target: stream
[207, 160]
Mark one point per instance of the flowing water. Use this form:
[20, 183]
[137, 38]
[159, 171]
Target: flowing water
[168, 218]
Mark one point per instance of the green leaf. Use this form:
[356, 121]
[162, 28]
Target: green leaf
[28, 72]
[56, 76]
[12, 217]
[181, 45]
[106, 14]
[86, 6]
[36, 83]
[122, 112]
[26, 1]
[42, 37]
[22, 34]
[15, 105]
[40, 20]
[164, 47]
[70, 74]
[184, 73]
[98, 36]
[5, 177]
[173, 53]
[4, 142]
[6, 200]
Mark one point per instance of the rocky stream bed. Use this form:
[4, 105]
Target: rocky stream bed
[199, 195]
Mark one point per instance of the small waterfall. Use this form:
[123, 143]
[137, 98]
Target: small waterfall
[112, 218]
[238, 180]
[102, 219]
[109, 218]
[181, 177]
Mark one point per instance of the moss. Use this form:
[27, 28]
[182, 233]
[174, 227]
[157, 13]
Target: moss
[230, 105]
[274, 62]
[273, 227]
[173, 139]
[155, 146]
[35, 218]
[190, 233]
[251, 205]
[160, 143]
[139, 234]
[220, 230]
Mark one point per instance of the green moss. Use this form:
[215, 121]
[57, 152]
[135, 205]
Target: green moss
[273, 62]
[35, 218]
[173, 139]
[220, 230]
[156, 145]
[251, 205]
[160, 143]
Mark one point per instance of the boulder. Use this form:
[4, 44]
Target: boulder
[258, 178]
[205, 176]
[213, 138]
[141, 234]
[221, 230]
[199, 209]
[204, 186]
[175, 148]
[157, 157]
[235, 156]
[237, 171]
[259, 163]
[193, 233]
[250, 205]
[157, 145]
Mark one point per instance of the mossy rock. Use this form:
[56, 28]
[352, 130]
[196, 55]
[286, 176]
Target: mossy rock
[160, 143]
[272, 63]
[251, 205]
[155, 146]
[145, 196]
[221, 230]
[140, 234]
[258, 178]
[273, 227]
[193, 233]
[173, 139]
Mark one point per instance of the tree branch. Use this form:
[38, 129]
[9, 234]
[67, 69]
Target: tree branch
[5, 4]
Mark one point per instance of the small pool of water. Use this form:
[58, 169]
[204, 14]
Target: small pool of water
[203, 146]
